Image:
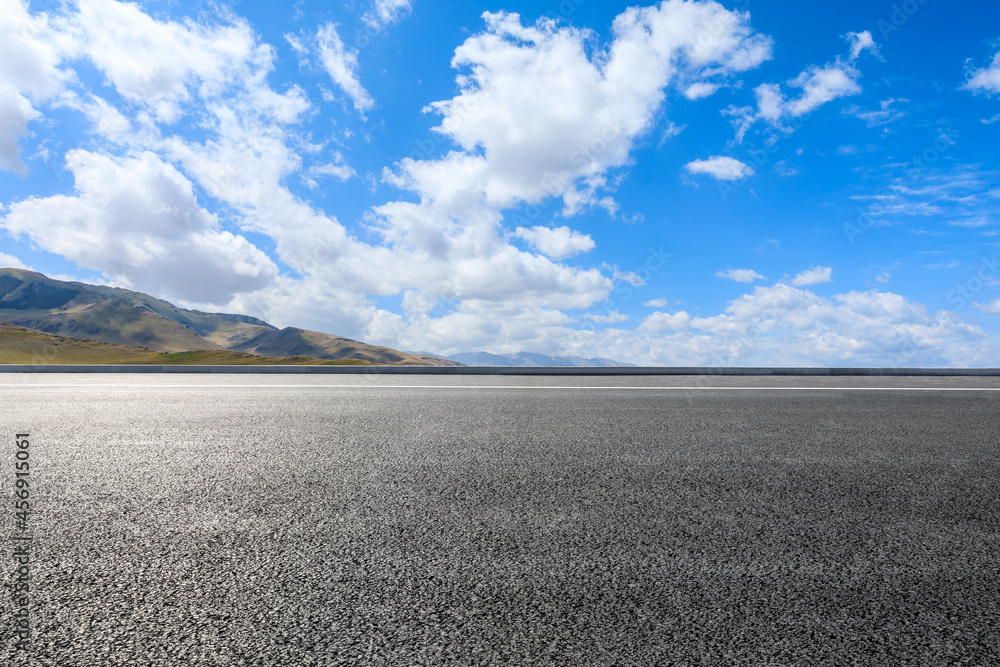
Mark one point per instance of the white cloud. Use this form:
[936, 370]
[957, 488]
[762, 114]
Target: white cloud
[31, 52]
[720, 168]
[137, 221]
[338, 169]
[297, 44]
[986, 79]
[630, 277]
[663, 322]
[15, 114]
[861, 41]
[386, 12]
[993, 307]
[11, 262]
[541, 114]
[699, 90]
[106, 120]
[883, 278]
[30, 76]
[778, 325]
[814, 276]
[538, 117]
[162, 65]
[557, 243]
[341, 64]
[885, 115]
[819, 85]
[784, 169]
[958, 192]
[740, 275]
[785, 326]
[611, 318]
[241, 157]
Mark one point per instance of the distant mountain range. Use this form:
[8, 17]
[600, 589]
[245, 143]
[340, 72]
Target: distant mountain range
[122, 317]
[522, 359]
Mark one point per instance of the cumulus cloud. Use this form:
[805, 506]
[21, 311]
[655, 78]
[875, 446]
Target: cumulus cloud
[162, 65]
[821, 85]
[15, 114]
[341, 63]
[30, 76]
[740, 275]
[777, 325]
[814, 276]
[986, 79]
[782, 325]
[720, 168]
[137, 221]
[541, 114]
[539, 117]
[557, 243]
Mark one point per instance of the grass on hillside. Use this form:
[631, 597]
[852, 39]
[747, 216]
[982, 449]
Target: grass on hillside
[27, 346]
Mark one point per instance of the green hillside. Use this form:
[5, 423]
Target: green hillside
[34, 301]
[19, 345]
[221, 329]
[121, 317]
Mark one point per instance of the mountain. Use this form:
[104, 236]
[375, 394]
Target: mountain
[529, 359]
[19, 345]
[292, 341]
[123, 317]
[34, 301]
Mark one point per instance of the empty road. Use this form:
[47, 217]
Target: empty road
[437, 520]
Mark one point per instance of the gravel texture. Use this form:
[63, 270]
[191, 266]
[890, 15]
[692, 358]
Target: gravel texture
[207, 522]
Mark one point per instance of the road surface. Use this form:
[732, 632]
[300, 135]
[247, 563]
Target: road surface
[418, 520]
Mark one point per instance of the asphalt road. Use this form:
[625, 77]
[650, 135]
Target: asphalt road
[372, 520]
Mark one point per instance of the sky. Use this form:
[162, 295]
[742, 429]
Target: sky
[744, 183]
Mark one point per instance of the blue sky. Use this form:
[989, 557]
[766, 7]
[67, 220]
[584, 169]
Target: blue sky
[683, 183]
